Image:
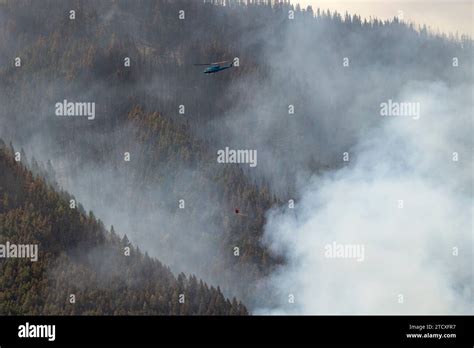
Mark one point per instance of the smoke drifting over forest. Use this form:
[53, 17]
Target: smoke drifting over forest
[408, 250]
[334, 72]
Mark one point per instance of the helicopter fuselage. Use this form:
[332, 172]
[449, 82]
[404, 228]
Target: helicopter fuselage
[216, 68]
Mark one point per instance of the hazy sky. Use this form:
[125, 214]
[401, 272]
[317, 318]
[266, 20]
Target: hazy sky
[445, 15]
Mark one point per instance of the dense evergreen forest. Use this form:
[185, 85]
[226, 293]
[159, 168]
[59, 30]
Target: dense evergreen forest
[173, 154]
[106, 281]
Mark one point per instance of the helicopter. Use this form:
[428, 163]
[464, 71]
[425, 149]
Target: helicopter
[217, 66]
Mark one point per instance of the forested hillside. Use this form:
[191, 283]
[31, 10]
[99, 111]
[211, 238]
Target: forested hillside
[79, 257]
[171, 198]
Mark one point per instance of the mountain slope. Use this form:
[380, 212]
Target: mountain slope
[173, 155]
[77, 256]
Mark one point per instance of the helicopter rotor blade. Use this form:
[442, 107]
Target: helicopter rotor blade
[214, 63]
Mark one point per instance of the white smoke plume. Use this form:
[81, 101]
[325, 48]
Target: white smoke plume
[410, 264]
